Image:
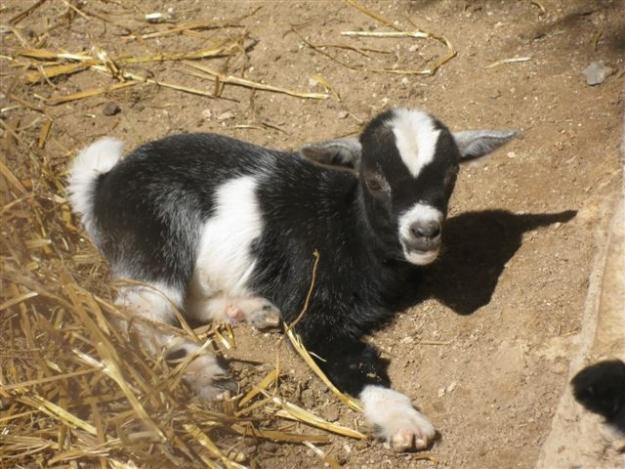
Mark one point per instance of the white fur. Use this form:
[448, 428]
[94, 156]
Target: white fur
[157, 303]
[418, 213]
[259, 312]
[397, 421]
[224, 262]
[415, 137]
[98, 158]
[154, 302]
[421, 258]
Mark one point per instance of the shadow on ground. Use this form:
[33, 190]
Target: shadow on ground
[478, 246]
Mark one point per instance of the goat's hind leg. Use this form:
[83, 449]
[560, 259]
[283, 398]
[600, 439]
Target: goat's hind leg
[259, 312]
[204, 374]
[204, 304]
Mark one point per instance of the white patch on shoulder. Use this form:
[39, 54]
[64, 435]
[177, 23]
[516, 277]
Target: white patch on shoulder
[98, 158]
[395, 419]
[225, 263]
[415, 137]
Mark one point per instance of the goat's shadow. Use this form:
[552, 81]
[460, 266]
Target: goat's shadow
[478, 246]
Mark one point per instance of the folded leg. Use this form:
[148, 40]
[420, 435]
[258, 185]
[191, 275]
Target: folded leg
[204, 374]
[259, 312]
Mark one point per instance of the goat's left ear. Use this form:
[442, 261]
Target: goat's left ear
[344, 152]
[475, 144]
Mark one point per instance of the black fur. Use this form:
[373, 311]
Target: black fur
[150, 207]
[601, 389]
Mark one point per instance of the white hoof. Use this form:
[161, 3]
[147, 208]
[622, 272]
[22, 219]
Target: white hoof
[206, 378]
[266, 316]
[395, 419]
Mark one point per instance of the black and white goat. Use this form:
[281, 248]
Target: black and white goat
[224, 229]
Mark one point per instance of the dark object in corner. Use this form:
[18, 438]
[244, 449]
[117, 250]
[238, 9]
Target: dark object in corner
[601, 389]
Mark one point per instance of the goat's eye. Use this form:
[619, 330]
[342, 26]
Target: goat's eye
[374, 184]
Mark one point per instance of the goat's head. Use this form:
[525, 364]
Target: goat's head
[407, 162]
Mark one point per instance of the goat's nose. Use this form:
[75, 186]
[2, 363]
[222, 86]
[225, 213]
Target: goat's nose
[426, 229]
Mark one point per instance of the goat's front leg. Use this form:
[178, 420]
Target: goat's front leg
[204, 375]
[357, 369]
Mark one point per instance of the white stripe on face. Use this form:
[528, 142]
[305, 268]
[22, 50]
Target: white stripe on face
[418, 213]
[415, 137]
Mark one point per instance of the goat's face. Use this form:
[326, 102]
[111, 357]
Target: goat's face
[408, 162]
[408, 171]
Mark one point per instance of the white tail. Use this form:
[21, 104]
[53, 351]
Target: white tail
[98, 158]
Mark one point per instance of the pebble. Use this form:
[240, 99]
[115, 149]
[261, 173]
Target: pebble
[330, 412]
[308, 398]
[111, 108]
[224, 116]
[596, 73]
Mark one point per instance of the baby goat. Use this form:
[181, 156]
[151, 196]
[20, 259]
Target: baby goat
[225, 229]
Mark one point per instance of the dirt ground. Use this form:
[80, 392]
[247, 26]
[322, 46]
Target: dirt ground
[486, 353]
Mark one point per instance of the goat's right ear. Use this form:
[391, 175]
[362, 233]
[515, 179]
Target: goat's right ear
[475, 144]
[344, 152]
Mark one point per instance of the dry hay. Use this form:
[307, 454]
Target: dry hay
[73, 389]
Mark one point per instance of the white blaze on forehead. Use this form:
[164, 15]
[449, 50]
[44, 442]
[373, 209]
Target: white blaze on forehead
[415, 137]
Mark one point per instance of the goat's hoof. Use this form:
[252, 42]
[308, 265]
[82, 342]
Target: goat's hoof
[207, 379]
[410, 432]
[395, 420]
[409, 439]
[265, 317]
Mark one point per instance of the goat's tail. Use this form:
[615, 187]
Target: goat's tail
[93, 161]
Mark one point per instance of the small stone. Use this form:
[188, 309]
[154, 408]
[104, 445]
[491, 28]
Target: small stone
[596, 73]
[511, 154]
[155, 17]
[111, 108]
[343, 455]
[270, 447]
[225, 116]
[342, 114]
[308, 398]
[330, 413]
[237, 456]
[207, 114]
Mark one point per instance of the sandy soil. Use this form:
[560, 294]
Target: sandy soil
[486, 353]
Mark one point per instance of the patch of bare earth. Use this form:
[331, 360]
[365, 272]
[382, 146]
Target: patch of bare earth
[486, 354]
